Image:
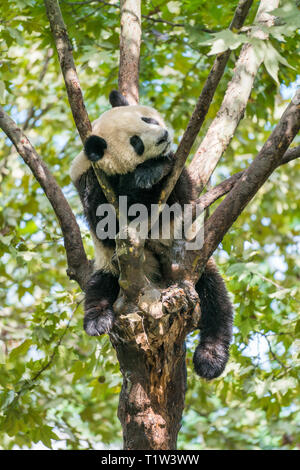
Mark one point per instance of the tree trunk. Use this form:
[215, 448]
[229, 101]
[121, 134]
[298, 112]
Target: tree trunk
[149, 338]
[152, 397]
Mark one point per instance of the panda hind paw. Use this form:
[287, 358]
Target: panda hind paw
[210, 364]
[98, 320]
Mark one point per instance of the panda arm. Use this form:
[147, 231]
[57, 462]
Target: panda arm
[103, 287]
[91, 196]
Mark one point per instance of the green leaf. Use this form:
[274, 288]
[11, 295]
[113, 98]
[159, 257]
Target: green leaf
[226, 39]
[272, 59]
[289, 13]
[20, 350]
[174, 7]
[2, 90]
[297, 328]
[280, 294]
[46, 434]
[7, 398]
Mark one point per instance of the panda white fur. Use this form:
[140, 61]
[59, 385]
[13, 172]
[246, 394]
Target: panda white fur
[132, 145]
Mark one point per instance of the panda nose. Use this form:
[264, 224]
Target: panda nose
[163, 139]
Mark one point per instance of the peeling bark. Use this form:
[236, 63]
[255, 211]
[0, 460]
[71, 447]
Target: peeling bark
[152, 397]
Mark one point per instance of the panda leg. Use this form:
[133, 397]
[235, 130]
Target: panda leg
[101, 292]
[212, 352]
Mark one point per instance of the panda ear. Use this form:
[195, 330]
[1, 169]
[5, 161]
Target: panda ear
[117, 99]
[94, 147]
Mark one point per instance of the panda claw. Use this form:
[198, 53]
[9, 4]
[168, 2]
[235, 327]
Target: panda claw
[98, 321]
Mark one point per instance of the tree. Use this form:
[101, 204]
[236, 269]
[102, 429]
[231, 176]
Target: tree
[153, 391]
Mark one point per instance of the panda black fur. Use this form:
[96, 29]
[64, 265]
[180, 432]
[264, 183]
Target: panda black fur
[132, 146]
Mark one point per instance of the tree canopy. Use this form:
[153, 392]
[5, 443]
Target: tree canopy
[59, 387]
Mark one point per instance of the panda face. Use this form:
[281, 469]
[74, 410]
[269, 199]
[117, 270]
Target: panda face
[126, 136]
[123, 138]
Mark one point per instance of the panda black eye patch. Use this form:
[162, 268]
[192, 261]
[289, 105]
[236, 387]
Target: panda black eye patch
[150, 121]
[137, 144]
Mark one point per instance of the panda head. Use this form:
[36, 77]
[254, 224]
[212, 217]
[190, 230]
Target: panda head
[126, 136]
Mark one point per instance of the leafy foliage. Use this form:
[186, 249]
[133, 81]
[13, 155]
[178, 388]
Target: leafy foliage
[59, 388]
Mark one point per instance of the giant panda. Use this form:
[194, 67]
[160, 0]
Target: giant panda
[132, 145]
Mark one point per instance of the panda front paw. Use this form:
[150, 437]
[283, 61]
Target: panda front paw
[145, 178]
[98, 319]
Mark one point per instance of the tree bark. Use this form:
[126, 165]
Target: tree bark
[149, 338]
[130, 43]
[152, 396]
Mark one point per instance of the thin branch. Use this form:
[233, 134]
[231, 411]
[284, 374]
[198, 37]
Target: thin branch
[203, 104]
[291, 154]
[207, 199]
[268, 159]
[64, 49]
[278, 286]
[55, 349]
[78, 264]
[51, 359]
[147, 17]
[274, 356]
[223, 127]
[130, 43]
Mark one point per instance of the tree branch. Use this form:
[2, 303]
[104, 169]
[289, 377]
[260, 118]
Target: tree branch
[290, 155]
[203, 104]
[79, 267]
[64, 50]
[130, 254]
[75, 96]
[147, 17]
[207, 199]
[269, 158]
[130, 43]
[223, 127]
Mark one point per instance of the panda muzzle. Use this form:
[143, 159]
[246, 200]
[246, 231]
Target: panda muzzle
[163, 139]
